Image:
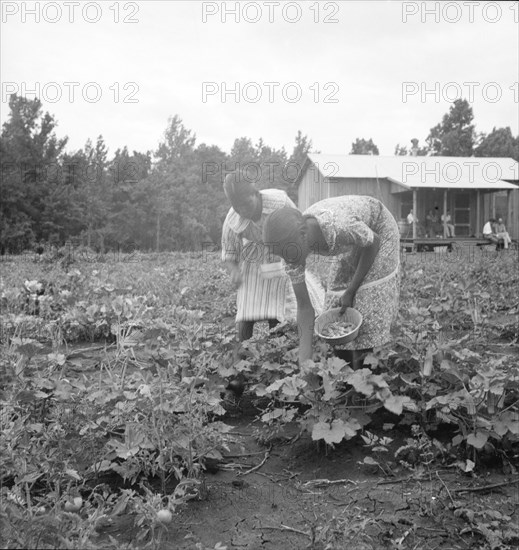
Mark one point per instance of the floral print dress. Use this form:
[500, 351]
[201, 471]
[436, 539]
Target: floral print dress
[348, 223]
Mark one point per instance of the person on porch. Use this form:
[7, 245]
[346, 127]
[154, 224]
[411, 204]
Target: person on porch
[419, 227]
[432, 224]
[448, 230]
[490, 233]
[502, 233]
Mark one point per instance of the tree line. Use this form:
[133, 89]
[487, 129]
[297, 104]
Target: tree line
[168, 199]
[454, 136]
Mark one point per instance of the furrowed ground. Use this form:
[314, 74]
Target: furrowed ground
[118, 432]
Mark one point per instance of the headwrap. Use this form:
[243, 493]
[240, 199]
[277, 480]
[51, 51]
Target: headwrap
[283, 229]
[235, 185]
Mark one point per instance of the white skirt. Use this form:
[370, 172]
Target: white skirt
[260, 298]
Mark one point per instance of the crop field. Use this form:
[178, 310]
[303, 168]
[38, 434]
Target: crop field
[119, 430]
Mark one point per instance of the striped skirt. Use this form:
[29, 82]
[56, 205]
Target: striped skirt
[260, 298]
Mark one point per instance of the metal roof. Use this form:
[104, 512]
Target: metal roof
[417, 172]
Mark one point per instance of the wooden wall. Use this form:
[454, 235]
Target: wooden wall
[313, 187]
[513, 215]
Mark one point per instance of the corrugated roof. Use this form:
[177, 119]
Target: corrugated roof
[440, 172]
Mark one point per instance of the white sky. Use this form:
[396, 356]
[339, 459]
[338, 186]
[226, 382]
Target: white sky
[170, 52]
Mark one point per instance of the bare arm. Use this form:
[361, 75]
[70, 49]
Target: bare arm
[231, 253]
[305, 321]
[235, 273]
[366, 260]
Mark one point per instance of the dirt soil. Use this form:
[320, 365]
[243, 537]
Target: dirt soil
[288, 493]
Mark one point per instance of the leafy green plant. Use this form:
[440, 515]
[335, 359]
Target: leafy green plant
[147, 414]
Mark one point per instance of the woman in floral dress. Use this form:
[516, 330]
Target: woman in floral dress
[361, 237]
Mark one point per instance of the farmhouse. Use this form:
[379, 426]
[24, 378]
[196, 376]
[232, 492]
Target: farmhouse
[473, 189]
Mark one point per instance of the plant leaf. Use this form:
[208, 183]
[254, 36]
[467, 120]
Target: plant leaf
[478, 439]
[331, 433]
[395, 404]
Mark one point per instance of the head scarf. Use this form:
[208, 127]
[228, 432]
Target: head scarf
[283, 229]
[236, 185]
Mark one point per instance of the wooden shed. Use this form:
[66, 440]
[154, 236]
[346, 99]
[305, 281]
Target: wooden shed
[473, 189]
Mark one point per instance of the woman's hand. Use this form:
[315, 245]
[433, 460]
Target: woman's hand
[236, 277]
[235, 273]
[347, 300]
[366, 260]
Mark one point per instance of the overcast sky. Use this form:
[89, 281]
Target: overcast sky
[337, 70]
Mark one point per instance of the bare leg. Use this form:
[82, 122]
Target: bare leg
[355, 358]
[245, 330]
[505, 237]
[237, 383]
[358, 357]
[273, 323]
